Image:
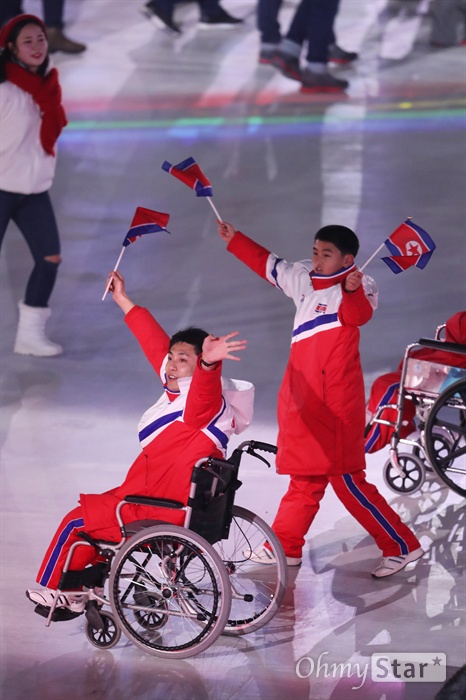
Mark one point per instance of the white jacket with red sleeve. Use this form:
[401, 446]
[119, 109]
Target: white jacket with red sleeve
[25, 167]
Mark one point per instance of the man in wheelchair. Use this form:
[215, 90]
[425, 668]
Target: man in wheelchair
[195, 417]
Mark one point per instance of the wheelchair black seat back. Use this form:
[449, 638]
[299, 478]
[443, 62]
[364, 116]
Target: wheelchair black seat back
[212, 505]
[173, 590]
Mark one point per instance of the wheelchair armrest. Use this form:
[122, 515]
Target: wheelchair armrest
[149, 501]
[441, 345]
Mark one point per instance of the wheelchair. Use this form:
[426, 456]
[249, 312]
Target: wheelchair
[174, 590]
[438, 393]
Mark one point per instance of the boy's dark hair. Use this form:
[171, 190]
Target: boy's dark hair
[193, 336]
[342, 238]
[7, 55]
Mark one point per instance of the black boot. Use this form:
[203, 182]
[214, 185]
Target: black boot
[59, 42]
[158, 15]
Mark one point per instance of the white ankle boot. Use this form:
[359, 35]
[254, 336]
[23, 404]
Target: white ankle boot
[30, 337]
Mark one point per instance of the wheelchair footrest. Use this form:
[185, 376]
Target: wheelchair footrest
[59, 614]
[94, 617]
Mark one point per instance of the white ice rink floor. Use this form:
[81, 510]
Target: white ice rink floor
[281, 165]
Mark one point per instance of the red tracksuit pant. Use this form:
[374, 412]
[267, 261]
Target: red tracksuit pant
[300, 504]
[68, 533]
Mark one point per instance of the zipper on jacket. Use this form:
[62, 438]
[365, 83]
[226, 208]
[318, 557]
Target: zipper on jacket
[324, 387]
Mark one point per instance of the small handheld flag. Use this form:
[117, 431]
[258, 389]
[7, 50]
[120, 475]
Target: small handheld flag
[410, 246]
[189, 172]
[144, 221]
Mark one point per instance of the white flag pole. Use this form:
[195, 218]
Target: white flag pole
[214, 208]
[372, 257]
[114, 269]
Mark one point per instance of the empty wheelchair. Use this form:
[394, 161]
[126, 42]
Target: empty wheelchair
[174, 590]
[437, 394]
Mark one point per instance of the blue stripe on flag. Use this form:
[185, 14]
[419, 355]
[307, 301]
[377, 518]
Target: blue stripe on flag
[141, 229]
[424, 259]
[185, 164]
[423, 235]
[393, 265]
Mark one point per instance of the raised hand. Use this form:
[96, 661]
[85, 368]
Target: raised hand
[116, 285]
[226, 231]
[116, 282]
[216, 349]
[353, 281]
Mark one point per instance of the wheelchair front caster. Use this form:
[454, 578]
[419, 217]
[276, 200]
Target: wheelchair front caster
[414, 474]
[157, 617]
[107, 636]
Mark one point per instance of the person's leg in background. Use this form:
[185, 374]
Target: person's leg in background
[313, 26]
[213, 16]
[288, 59]
[448, 22]
[160, 13]
[320, 37]
[53, 18]
[9, 9]
[269, 28]
[33, 214]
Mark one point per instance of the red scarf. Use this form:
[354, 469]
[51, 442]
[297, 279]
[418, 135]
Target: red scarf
[325, 281]
[46, 92]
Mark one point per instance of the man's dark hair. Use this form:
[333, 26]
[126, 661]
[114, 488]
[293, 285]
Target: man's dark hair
[192, 336]
[342, 238]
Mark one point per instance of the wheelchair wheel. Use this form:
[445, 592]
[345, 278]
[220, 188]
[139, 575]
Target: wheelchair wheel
[170, 592]
[107, 637]
[157, 616]
[414, 474]
[448, 413]
[442, 446]
[257, 590]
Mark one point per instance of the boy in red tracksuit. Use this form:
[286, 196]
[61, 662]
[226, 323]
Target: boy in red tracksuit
[321, 403]
[194, 418]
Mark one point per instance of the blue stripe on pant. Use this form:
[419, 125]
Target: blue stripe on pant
[61, 542]
[375, 512]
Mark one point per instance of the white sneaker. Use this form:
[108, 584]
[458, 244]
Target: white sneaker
[262, 555]
[46, 596]
[391, 565]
